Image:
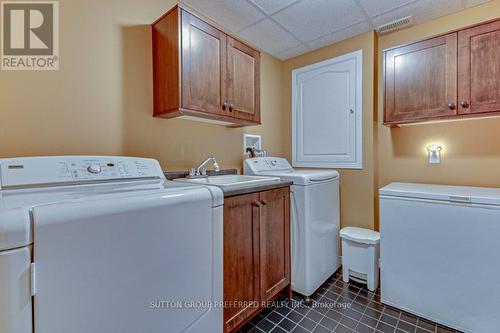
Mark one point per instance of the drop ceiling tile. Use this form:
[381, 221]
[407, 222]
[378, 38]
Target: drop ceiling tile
[231, 14]
[374, 8]
[269, 36]
[310, 19]
[422, 10]
[293, 52]
[272, 6]
[472, 3]
[338, 36]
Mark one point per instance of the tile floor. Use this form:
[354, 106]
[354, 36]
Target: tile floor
[338, 307]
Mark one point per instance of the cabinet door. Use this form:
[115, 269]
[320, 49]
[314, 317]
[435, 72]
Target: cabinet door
[243, 81]
[421, 80]
[241, 258]
[202, 66]
[479, 69]
[274, 241]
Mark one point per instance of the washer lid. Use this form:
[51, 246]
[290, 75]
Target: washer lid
[307, 177]
[16, 205]
[458, 194]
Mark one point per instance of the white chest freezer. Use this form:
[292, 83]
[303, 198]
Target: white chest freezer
[439, 252]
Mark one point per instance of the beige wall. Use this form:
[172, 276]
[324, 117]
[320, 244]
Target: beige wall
[100, 101]
[357, 186]
[471, 154]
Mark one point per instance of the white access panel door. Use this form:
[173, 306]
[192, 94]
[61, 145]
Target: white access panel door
[105, 266]
[440, 261]
[327, 113]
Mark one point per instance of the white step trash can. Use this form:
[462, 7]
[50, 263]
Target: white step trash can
[360, 256]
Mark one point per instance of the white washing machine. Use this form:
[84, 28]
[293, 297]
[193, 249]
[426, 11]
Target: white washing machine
[106, 244]
[315, 220]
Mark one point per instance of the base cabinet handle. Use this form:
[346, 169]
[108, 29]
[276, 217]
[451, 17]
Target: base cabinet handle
[451, 105]
[256, 204]
[263, 202]
[464, 104]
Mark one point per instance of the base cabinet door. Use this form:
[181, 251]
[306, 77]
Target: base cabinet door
[479, 69]
[256, 253]
[274, 242]
[241, 259]
[421, 80]
[243, 81]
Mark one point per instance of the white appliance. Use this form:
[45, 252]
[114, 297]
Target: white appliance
[439, 253]
[106, 244]
[315, 220]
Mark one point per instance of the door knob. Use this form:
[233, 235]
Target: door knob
[464, 104]
[451, 105]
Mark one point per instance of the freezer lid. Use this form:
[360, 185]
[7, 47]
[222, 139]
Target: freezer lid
[462, 194]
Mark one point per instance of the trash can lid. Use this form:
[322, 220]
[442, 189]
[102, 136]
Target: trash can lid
[360, 235]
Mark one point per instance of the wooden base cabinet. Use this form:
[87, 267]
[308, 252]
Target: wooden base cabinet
[201, 72]
[256, 253]
[445, 77]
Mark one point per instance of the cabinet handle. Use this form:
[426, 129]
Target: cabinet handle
[231, 107]
[256, 204]
[224, 106]
[464, 104]
[263, 202]
[451, 105]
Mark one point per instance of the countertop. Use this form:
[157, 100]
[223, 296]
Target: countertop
[233, 192]
[256, 188]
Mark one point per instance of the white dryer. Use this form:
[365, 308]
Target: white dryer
[315, 220]
[106, 244]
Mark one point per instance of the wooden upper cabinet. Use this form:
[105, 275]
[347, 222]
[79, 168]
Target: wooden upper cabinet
[421, 80]
[479, 69]
[203, 66]
[199, 71]
[274, 242]
[243, 71]
[446, 77]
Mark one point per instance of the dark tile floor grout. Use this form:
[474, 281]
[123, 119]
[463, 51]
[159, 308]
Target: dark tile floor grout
[339, 307]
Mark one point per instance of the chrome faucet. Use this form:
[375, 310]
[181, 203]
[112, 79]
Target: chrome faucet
[201, 171]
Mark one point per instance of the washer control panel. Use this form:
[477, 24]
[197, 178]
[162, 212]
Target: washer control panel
[263, 164]
[27, 171]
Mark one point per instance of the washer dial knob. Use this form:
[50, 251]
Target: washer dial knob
[94, 168]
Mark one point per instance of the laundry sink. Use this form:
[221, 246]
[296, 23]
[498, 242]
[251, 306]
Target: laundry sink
[228, 182]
